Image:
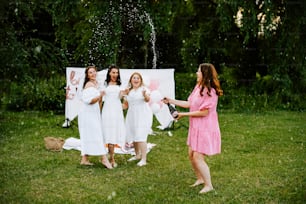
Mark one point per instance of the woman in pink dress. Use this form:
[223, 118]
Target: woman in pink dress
[204, 137]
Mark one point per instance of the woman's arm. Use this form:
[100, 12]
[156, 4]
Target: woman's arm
[125, 104]
[199, 113]
[100, 105]
[96, 99]
[145, 96]
[183, 104]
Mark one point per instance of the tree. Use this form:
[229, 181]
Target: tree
[28, 46]
[273, 34]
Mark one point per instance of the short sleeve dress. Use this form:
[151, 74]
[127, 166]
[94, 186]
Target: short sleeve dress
[139, 116]
[204, 133]
[113, 126]
[89, 121]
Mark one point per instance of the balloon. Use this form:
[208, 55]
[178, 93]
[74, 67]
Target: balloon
[154, 84]
[155, 107]
[156, 96]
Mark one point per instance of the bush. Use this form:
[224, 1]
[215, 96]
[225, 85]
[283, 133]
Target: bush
[49, 94]
[37, 94]
[184, 84]
[242, 99]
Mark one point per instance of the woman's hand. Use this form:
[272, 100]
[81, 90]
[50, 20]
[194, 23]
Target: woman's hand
[180, 115]
[166, 100]
[180, 103]
[145, 95]
[124, 93]
[96, 99]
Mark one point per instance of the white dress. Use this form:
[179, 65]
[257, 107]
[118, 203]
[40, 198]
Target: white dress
[139, 117]
[113, 126]
[89, 121]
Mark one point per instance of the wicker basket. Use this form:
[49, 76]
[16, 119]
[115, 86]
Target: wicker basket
[54, 144]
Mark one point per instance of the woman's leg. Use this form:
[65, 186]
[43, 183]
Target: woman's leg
[143, 151]
[105, 162]
[199, 180]
[85, 160]
[111, 151]
[203, 170]
[137, 150]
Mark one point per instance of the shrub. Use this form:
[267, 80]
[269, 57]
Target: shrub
[37, 94]
[184, 83]
[49, 94]
[243, 99]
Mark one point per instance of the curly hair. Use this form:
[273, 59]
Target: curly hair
[210, 79]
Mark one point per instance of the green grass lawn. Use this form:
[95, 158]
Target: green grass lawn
[263, 160]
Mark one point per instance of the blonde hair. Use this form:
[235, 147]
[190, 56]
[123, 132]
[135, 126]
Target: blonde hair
[130, 81]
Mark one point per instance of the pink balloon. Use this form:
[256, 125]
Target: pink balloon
[154, 84]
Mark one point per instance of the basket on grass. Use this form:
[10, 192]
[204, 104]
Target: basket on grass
[54, 144]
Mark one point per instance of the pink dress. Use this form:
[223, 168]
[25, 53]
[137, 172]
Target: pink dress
[204, 133]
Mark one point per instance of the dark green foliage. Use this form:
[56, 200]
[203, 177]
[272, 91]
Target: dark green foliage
[184, 84]
[28, 46]
[269, 64]
[262, 62]
[33, 94]
[49, 94]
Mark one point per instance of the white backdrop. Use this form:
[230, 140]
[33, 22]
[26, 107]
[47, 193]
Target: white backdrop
[159, 81]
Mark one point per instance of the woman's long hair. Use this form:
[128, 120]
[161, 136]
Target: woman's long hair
[86, 74]
[108, 78]
[210, 79]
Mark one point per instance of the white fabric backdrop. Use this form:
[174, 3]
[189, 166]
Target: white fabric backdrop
[159, 81]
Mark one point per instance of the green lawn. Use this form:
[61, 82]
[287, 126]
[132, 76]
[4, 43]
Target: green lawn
[263, 160]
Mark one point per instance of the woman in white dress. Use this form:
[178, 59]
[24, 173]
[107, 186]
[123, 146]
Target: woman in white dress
[113, 126]
[89, 120]
[139, 117]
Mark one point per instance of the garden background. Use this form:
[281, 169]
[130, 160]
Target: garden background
[258, 48]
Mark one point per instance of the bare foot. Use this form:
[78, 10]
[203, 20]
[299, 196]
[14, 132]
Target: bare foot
[133, 158]
[113, 163]
[142, 163]
[106, 163]
[198, 182]
[86, 163]
[206, 189]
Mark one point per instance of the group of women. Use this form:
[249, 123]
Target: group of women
[204, 137]
[101, 119]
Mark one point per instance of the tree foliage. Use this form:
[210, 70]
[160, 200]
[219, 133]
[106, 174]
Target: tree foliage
[273, 44]
[257, 46]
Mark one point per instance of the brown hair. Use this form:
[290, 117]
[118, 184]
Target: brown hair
[108, 78]
[86, 74]
[210, 79]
